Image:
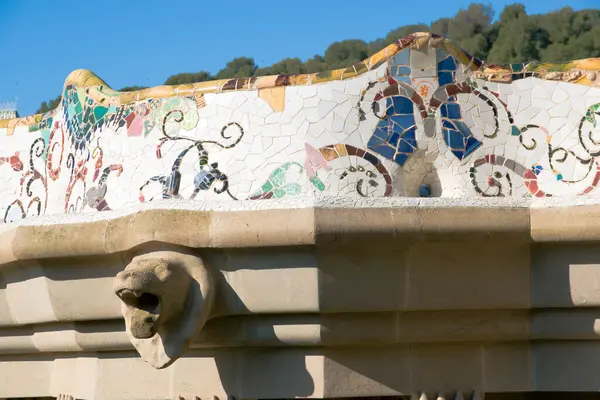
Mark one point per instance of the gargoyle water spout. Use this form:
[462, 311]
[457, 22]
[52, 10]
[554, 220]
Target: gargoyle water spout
[166, 299]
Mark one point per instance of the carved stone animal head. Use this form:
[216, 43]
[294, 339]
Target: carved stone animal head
[166, 299]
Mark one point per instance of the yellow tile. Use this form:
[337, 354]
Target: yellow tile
[274, 96]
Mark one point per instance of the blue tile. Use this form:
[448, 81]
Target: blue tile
[447, 64]
[401, 58]
[399, 70]
[402, 105]
[445, 78]
[440, 54]
[405, 79]
[517, 67]
[381, 147]
[400, 159]
[381, 133]
[393, 140]
[407, 146]
[451, 111]
[404, 121]
[459, 139]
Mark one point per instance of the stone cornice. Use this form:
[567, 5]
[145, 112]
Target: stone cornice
[321, 226]
[116, 231]
[48, 237]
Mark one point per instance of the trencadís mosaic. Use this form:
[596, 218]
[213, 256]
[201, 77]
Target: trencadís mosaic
[419, 118]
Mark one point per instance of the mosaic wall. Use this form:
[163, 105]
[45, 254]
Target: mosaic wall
[420, 118]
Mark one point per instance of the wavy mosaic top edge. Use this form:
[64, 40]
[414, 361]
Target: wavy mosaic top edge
[583, 72]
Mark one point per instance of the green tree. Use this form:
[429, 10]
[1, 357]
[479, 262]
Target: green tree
[475, 19]
[571, 34]
[241, 67]
[440, 26]
[404, 31]
[519, 39]
[470, 26]
[49, 105]
[583, 46]
[346, 53]
[376, 45]
[132, 88]
[287, 66]
[316, 64]
[188, 77]
[511, 12]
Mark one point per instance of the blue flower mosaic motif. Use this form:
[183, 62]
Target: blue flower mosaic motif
[457, 135]
[395, 135]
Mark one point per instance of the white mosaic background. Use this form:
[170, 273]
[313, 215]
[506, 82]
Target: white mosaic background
[319, 115]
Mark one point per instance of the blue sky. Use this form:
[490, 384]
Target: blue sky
[142, 42]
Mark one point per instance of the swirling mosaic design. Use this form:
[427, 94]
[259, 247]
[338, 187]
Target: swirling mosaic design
[416, 108]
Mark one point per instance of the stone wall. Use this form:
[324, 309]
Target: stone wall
[310, 302]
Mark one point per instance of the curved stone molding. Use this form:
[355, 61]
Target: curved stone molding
[166, 297]
[313, 224]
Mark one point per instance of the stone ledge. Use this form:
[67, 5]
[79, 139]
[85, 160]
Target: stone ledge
[49, 237]
[349, 329]
[565, 224]
[332, 330]
[41, 238]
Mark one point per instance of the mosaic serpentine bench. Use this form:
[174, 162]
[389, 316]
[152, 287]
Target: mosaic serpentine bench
[421, 223]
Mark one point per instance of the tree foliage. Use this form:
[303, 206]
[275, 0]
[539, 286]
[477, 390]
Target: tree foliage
[188, 77]
[132, 88]
[48, 105]
[241, 67]
[514, 36]
[345, 53]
